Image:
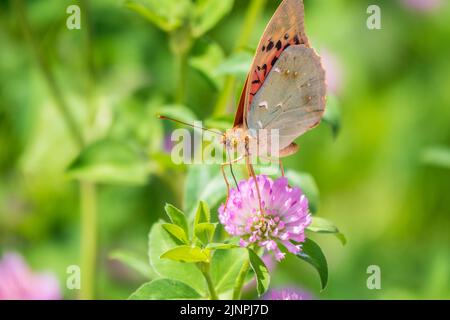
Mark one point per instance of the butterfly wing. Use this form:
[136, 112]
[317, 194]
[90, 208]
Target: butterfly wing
[286, 28]
[292, 97]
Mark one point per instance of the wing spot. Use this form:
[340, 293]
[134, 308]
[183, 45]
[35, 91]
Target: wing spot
[286, 36]
[279, 45]
[296, 39]
[274, 60]
[263, 48]
[270, 45]
[263, 105]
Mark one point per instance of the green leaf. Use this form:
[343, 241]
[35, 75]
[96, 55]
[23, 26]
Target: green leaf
[203, 213]
[207, 13]
[109, 161]
[261, 272]
[207, 62]
[308, 185]
[165, 289]
[187, 254]
[237, 64]
[205, 232]
[225, 267]
[312, 254]
[321, 225]
[176, 231]
[159, 242]
[167, 15]
[177, 217]
[221, 246]
[437, 156]
[203, 182]
[134, 262]
[332, 115]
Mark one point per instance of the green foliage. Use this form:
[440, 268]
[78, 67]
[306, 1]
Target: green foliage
[225, 267]
[308, 185]
[321, 225]
[312, 254]
[207, 13]
[332, 115]
[134, 262]
[187, 254]
[159, 243]
[110, 161]
[261, 272]
[203, 183]
[178, 218]
[438, 156]
[164, 289]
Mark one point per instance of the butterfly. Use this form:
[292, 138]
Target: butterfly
[285, 92]
[285, 89]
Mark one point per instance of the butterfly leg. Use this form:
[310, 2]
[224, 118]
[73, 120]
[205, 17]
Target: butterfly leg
[222, 168]
[252, 173]
[281, 167]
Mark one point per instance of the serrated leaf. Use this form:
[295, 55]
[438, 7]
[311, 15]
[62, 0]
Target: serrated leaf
[308, 185]
[261, 272]
[111, 162]
[207, 13]
[165, 289]
[177, 217]
[176, 232]
[312, 253]
[321, 225]
[205, 232]
[187, 254]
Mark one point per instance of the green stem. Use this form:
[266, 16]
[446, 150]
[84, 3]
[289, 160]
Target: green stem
[252, 15]
[180, 42]
[181, 69]
[240, 280]
[88, 198]
[49, 78]
[204, 268]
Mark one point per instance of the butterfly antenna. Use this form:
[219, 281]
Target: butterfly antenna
[189, 124]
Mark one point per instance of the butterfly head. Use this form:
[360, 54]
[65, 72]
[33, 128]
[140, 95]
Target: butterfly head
[235, 139]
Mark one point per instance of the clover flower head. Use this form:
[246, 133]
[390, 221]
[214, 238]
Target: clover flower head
[283, 220]
[287, 294]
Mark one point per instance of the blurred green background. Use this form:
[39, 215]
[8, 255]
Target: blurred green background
[384, 180]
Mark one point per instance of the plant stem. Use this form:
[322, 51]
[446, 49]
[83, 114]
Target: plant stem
[240, 280]
[252, 15]
[204, 268]
[181, 69]
[51, 82]
[88, 198]
[180, 42]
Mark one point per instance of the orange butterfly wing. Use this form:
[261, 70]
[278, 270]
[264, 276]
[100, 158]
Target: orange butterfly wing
[284, 29]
